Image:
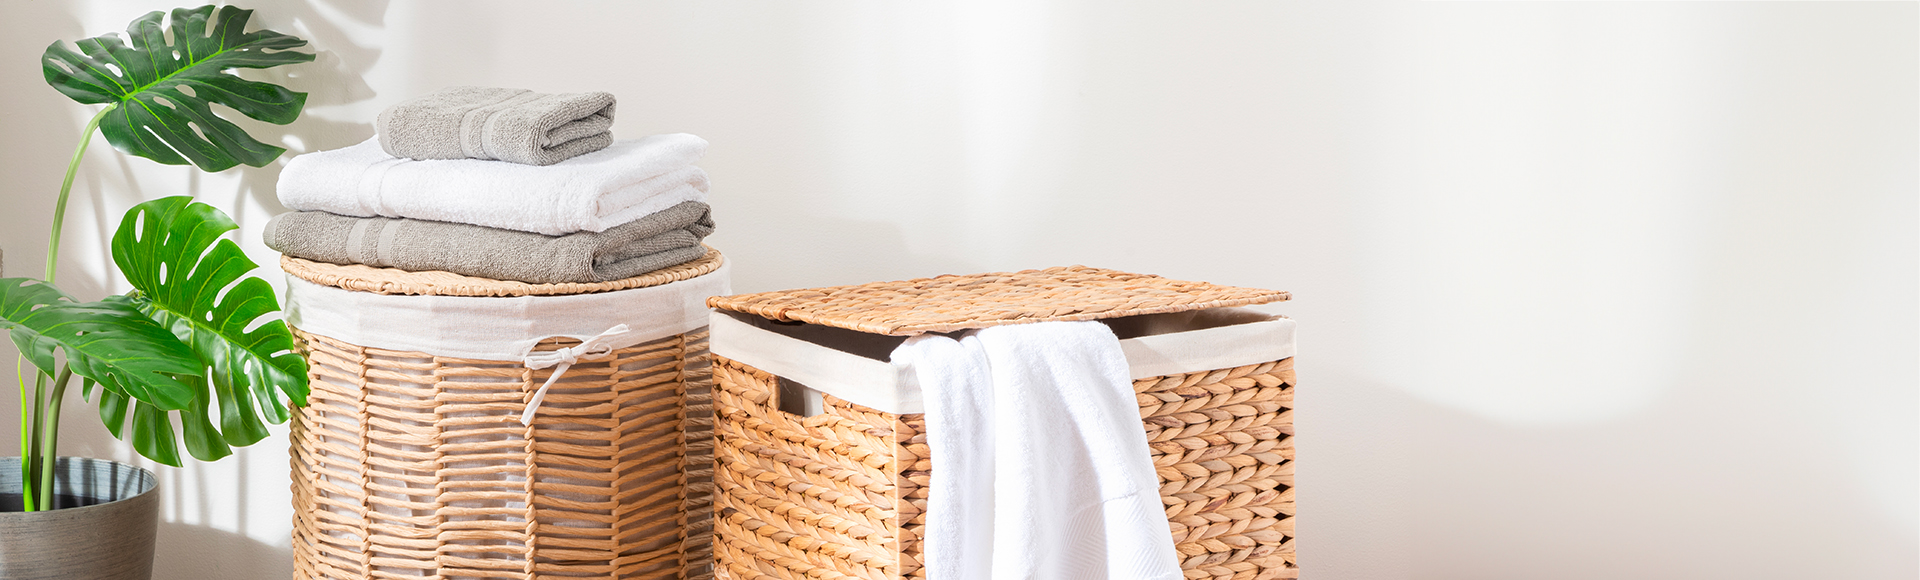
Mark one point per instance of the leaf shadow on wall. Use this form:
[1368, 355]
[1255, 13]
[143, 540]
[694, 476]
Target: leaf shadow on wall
[335, 77]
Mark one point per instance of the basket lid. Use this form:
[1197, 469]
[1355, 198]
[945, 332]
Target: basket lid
[949, 303]
[437, 283]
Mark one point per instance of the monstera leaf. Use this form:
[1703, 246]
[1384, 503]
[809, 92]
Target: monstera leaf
[162, 85]
[152, 433]
[109, 342]
[194, 283]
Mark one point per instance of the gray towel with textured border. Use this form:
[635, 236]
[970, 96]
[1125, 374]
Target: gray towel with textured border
[668, 238]
[514, 125]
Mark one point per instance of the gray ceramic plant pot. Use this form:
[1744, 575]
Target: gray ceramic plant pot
[110, 540]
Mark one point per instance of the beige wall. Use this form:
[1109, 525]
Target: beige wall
[1586, 290]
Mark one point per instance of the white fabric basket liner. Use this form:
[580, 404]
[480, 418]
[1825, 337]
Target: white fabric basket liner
[853, 365]
[501, 328]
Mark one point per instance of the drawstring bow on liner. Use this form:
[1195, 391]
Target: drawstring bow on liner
[563, 359]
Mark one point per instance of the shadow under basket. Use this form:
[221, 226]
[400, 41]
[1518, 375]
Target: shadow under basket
[822, 464]
[413, 465]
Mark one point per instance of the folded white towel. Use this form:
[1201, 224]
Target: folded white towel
[624, 182]
[1040, 465]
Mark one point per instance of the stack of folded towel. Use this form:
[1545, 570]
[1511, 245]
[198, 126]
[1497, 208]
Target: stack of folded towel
[499, 183]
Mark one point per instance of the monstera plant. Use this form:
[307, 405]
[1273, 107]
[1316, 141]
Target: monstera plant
[194, 353]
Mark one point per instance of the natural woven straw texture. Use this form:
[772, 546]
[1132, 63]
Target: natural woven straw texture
[949, 303]
[843, 494]
[410, 465]
[396, 281]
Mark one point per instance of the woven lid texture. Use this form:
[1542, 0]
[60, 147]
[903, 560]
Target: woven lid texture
[435, 283]
[949, 303]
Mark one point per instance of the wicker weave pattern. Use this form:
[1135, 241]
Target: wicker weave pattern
[815, 493]
[1222, 444]
[396, 281]
[407, 465]
[843, 494]
[949, 303]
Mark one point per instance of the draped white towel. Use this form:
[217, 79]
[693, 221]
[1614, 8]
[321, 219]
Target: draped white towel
[599, 346]
[1040, 467]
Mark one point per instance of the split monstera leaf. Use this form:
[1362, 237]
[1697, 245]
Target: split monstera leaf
[195, 343]
[178, 344]
[160, 83]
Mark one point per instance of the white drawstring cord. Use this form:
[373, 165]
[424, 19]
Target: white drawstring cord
[563, 359]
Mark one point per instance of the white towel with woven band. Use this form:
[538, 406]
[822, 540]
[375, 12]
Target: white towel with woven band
[590, 193]
[1040, 467]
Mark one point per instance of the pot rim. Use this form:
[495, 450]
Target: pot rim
[148, 474]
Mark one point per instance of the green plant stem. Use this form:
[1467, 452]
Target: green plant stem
[50, 438]
[29, 461]
[60, 207]
[26, 433]
[25, 418]
[39, 435]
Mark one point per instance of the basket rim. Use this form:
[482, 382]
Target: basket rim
[965, 302]
[363, 278]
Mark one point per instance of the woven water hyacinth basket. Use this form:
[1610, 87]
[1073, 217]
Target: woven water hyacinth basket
[840, 491]
[415, 465]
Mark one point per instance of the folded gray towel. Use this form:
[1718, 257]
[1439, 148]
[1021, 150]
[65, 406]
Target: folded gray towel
[515, 125]
[668, 238]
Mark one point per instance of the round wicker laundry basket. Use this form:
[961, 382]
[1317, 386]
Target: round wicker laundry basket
[412, 465]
